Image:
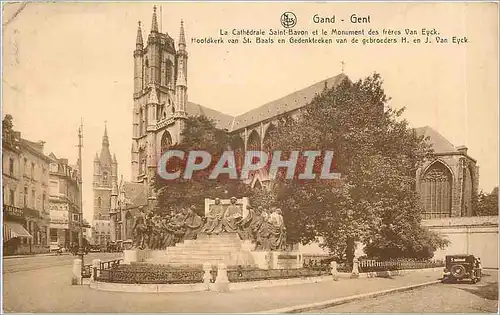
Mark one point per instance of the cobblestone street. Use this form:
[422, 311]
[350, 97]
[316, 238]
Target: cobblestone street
[52, 292]
[441, 298]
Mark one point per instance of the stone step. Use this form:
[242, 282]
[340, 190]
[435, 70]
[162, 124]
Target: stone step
[208, 244]
[203, 249]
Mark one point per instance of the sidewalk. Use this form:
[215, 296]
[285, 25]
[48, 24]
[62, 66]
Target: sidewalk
[34, 255]
[84, 299]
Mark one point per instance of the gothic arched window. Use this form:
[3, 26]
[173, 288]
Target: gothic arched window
[268, 137]
[435, 191]
[166, 141]
[253, 142]
[99, 202]
[168, 72]
[105, 178]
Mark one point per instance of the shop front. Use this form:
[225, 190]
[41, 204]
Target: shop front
[16, 237]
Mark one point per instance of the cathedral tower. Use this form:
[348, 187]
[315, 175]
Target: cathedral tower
[160, 98]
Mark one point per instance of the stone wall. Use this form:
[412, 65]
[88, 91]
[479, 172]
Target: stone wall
[469, 235]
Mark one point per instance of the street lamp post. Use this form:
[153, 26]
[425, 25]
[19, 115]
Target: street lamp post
[80, 238]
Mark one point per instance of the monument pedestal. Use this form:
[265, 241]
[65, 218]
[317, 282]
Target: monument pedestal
[226, 248]
[134, 255]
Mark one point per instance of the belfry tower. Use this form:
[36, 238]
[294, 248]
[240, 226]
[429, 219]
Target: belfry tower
[105, 175]
[160, 98]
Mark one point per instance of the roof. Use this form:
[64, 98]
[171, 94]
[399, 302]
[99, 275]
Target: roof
[135, 194]
[222, 121]
[35, 148]
[285, 104]
[439, 143]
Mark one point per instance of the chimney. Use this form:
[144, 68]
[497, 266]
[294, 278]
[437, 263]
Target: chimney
[462, 149]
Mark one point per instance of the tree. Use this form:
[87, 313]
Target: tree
[377, 155]
[487, 204]
[199, 133]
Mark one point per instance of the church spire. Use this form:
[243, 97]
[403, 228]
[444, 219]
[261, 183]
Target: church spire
[182, 37]
[138, 42]
[105, 139]
[105, 156]
[154, 22]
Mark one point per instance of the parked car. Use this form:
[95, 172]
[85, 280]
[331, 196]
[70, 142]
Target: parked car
[462, 267]
[54, 247]
[95, 248]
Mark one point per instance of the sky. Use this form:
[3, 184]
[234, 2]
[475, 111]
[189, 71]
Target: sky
[63, 62]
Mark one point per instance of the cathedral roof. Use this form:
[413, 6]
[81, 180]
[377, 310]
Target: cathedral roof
[285, 104]
[439, 143]
[222, 121]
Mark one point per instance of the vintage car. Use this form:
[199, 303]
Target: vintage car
[462, 267]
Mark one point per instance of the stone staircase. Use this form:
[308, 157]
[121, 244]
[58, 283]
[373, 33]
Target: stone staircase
[227, 248]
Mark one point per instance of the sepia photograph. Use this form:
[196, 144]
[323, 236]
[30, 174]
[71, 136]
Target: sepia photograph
[250, 157]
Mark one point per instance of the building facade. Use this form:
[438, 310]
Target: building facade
[64, 202]
[25, 180]
[105, 178]
[447, 184]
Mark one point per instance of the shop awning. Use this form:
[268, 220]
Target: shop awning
[13, 229]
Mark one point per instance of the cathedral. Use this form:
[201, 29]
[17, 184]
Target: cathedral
[447, 184]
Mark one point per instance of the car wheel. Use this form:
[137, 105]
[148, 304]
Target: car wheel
[458, 271]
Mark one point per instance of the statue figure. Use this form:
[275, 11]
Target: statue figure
[232, 217]
[192, 223]
[157, 231]
[148, 235]
[167, 236]
[175, 228]
[245, 225]
[213, 224]
[277, 230]
[139, 229]
[263, 231]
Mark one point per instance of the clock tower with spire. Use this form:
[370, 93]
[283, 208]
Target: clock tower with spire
[105, 179]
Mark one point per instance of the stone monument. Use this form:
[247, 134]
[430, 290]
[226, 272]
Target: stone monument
[232, 233]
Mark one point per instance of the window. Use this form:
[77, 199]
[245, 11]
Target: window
[436, 191]
[33, 170]
[12, 198]
[141, 123]
[54, 187]
[33, 198]
[44, 198]
[105, 178]
[25, 166]
[53, 235]
[11, 167]
[25, 201]
[99, 202]
[53, 167]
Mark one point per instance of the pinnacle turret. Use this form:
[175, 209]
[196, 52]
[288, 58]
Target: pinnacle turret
[154, 22]
[182, 37]
[139, 42]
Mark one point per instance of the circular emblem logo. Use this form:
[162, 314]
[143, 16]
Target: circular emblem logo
[288, 19]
